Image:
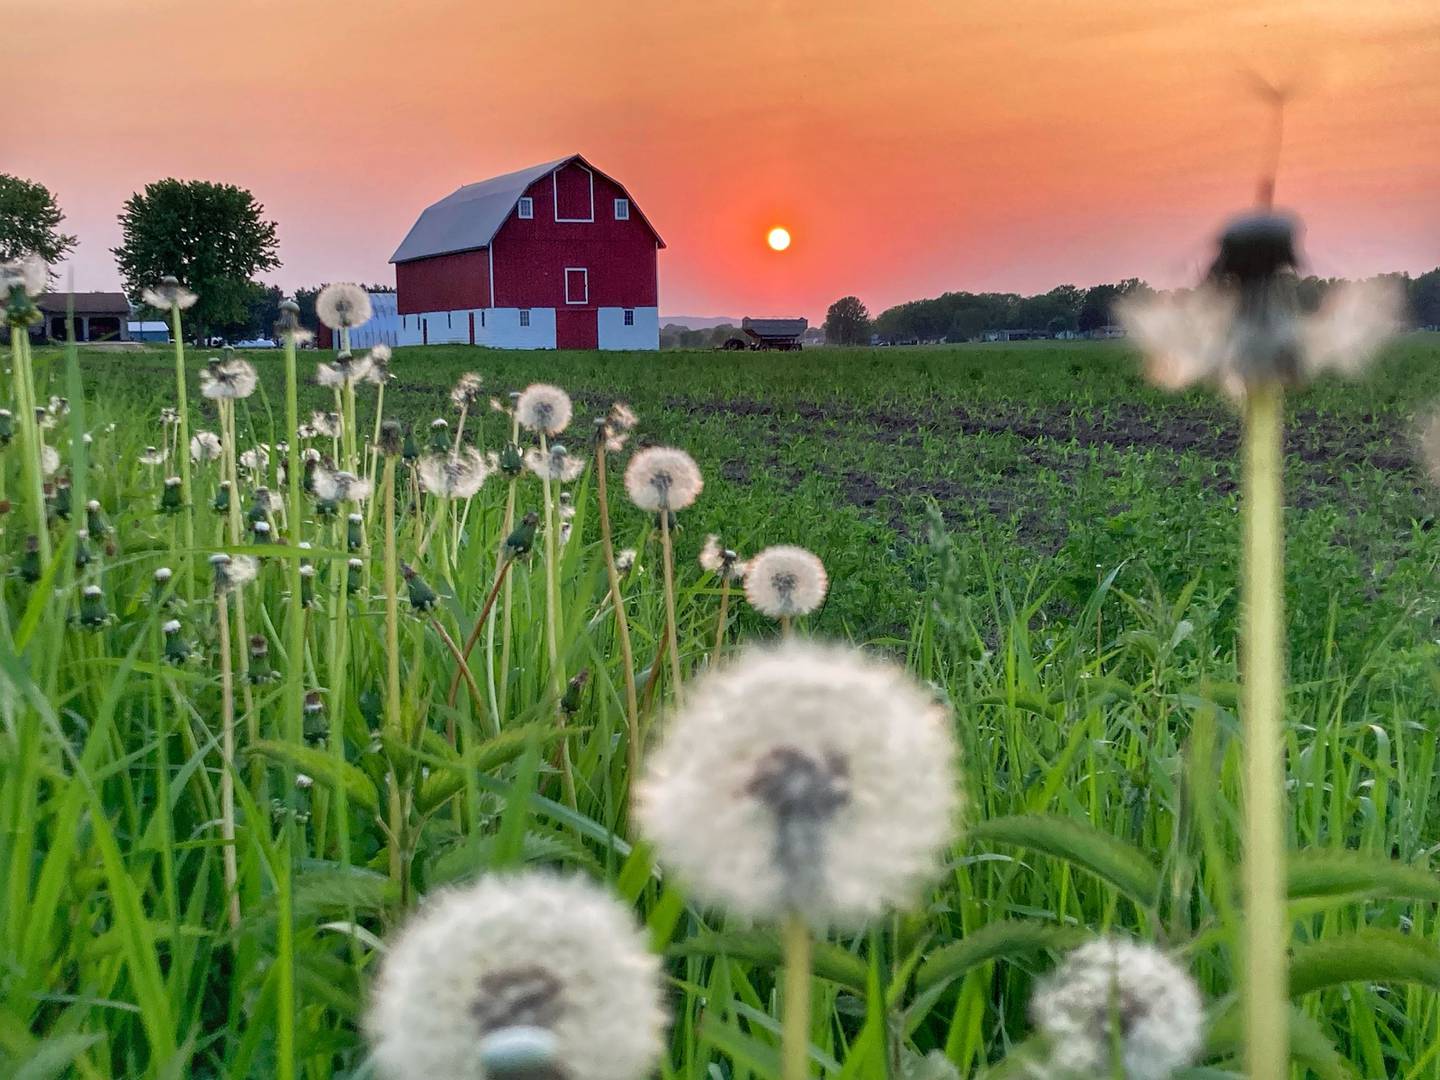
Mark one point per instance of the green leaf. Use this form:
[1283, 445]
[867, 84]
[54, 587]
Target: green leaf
[448, 778]
[323, 768]
[1001, 940]
[53, 1057]
[1368, 956]
[1108, 858]
[1319, 873]
[1309, 1045]
[757, 947]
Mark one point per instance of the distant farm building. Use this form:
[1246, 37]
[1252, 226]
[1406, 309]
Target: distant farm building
[383, 327]
[148, 330]
[557, 256]
[99, 316]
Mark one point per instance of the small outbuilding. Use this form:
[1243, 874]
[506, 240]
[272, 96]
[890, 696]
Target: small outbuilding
[99, 316]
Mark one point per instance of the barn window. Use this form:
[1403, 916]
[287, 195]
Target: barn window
[577, 285]
[622, 209]
[482, 320]
[526, 209]
[629, 316]
[448, 324]
[524, 316]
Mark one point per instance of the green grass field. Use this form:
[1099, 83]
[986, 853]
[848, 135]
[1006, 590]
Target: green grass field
[1048, 541]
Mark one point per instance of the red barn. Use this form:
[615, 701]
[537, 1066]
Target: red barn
[557, 256]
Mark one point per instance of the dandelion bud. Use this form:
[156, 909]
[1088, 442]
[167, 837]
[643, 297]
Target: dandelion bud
[570, 702]
[518, 976]
[512, 460]
[307, 585]
[519, 542]
[260, 531]
[260, 669]
[355, 532]
[30, 561]
[63, 503]
[177, 649]
[391, 438]
[7, 427]
[221, 503]
[232, 571]
[83, 557]
[93, 613]
[355, 575]
[422, 597]
[316, 728]
[1119, 1007]
[832, 774]
[439, 435]
[410, 448]
[95, 519]
[171, 501]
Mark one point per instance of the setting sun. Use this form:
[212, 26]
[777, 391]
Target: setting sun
[779, 238]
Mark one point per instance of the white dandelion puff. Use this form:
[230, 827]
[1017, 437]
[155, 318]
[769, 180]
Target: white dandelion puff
[152, 455]
[807, 780]
[29, 272]
[518, 953]
[232, 571]
[784, 581]
[342, 305]
[556, 463]
[544, 409]
[1114, 995]
[169, 417]
[340, 486]
[169, 295]
[228, 379]
[453, 476]
[622, 417]
[256, 459]
[378, 358]
[49, 460]
[347, 370]
[663, 478]
[326, 424]
[1354, 321]
[625, 560]
[205, 446]
[721, 561]
[466, 390]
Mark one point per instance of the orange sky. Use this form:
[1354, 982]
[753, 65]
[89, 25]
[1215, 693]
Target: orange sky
[911, 146]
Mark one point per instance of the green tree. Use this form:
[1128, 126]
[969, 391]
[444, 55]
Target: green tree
[847, 322]
[1097, 309]
[30, 221]
[213, 237]
[1425, 298]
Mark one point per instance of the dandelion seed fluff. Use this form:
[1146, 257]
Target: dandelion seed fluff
[205, 446]
[1354, 321]
[345, 371]
[49, 460]
[169, 294]
[453, 476]
[228, 379]
[466, 390]
[807, 779]
[30, 272]
[663, 478]
[342, 305]
[340, 486]
[524, 951]
[544, 409]
[554, 464]
[1155, 1002]
[785, 581]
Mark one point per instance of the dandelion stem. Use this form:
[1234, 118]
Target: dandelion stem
[490, 677]
[795, 1020]
[182, 408]
[295, 668]
[463, 655]
[670, 629]
[724, 615]
[622, 624]
[227, 771]
[392, 668]
[30, 433]
[1266, 938]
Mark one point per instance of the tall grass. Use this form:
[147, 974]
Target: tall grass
[1099, 726]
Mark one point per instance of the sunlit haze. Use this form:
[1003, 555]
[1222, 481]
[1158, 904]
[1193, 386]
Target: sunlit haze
[916, 146]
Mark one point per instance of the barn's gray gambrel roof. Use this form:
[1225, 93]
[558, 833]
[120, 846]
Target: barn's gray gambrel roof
[469, 217]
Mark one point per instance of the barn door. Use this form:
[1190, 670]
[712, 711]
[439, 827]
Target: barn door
[577, 328]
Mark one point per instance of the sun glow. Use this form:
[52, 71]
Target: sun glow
[778, 239]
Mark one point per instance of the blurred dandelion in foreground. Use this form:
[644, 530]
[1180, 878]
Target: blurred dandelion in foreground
[378, 359]
[1114, 1001]
[453, 476]
[530, 975]
[169, 295]
[663, 478]
[342, 305]
[346, 371]
[205, 446]
[785, 581]
[466, 391]
[29, 275]
[151, 455]
[338, 486]
[804, 780]
[1244, 323]
[326, 424]
[228, 380]
[543, 409]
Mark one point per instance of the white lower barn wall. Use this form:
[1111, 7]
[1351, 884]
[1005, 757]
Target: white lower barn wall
[500, 328]
[614, 334]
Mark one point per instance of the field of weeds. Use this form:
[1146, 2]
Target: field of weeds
[211, 828]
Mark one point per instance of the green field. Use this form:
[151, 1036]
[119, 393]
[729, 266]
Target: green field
[1049, 542]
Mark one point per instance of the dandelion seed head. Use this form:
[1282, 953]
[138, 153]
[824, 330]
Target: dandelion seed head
[785, 581]
[256, 459]
[171, 627]
[347, 370]
[466, 390]
[228, 379]
[340, 486]
[232, 571]
[163, 574]
[30, 273]
[721, 561]
[326, 424]
[342, 305]
[496, 405]
[524, 951]
[624, 560]
[1113, 981]
[49, 460]
[169, 417]
[663, 478]
[1354, 322]
[803, 779]
[152, 455]
[205, 446]
[556, 463]
[453, 476]
[378, 359]
[543, 409]
[169, 295]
